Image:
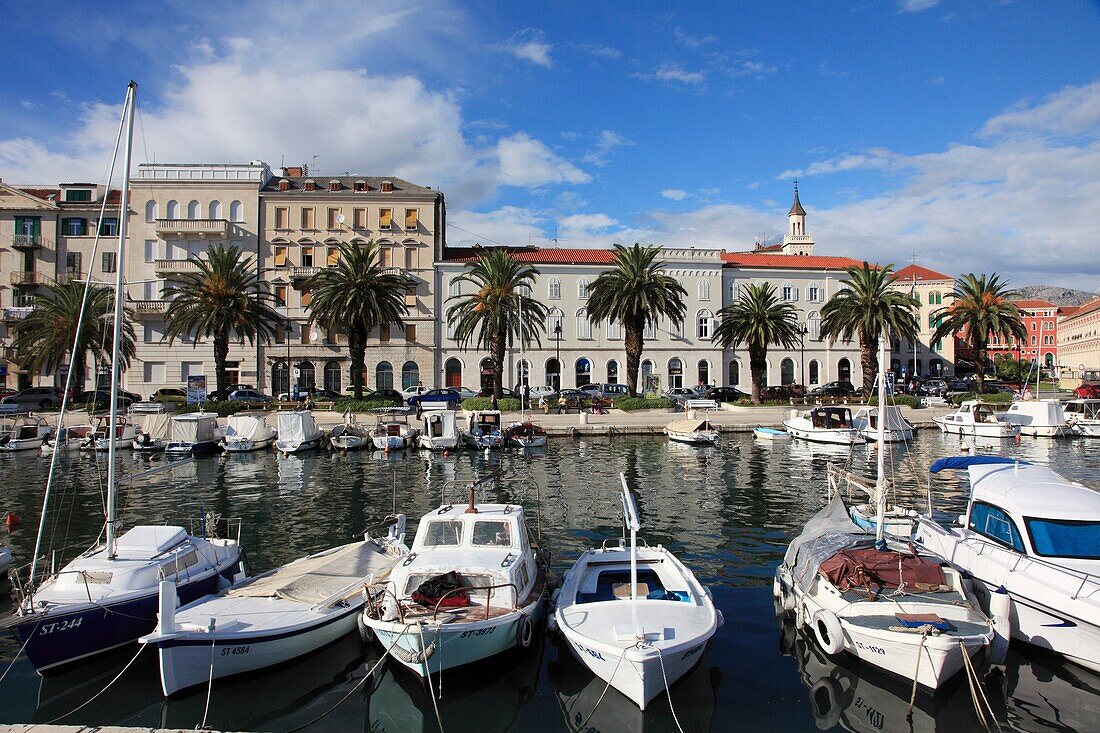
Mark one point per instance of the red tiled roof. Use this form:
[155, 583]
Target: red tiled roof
[1034, 304]
[535, 255]
[1068, 310]
[911, 273]
[42, 193]
[813, 262]
[1087, 308]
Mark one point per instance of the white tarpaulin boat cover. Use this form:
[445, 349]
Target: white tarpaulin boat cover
[156, 426]
[689, 426]
[827, 532]
[195, 427]
[318, 577]
[894, 418]
[297, 427]
[246, 427]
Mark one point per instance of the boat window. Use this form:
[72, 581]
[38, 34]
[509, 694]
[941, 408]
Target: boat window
[522, 576]
[995, 524]
[447, 532]
[494, 533]
[1064, 538]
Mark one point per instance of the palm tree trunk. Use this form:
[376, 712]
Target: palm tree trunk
[496, 353]
[357, 348]
[758, 365]
[633, 343]
[221, 353]
[868, 359]
[979, 361]
[77, 364]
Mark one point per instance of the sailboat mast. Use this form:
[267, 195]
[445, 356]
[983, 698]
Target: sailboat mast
[116, 342]
[522, 360]
[880, 482]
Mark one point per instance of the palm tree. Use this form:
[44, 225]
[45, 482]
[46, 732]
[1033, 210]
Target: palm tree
[867, 307]
[357, 296]
[635, 293]
[980, 308]
[490, 316]
[223, 298]
[758, 319]
[44, 339]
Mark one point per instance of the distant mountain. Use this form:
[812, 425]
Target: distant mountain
[1054, 294]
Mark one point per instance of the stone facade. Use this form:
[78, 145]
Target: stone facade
[933, 292]
[1079, 342]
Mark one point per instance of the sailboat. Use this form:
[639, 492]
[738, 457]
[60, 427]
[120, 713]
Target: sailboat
[898, 608]
[525, 433]
[107, 597]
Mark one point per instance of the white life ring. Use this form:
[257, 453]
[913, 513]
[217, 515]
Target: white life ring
[827, 631]
[525, 632]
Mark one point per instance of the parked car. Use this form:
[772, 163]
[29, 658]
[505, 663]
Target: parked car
[679, 394]
[222, 394]
[466, 393]
[605, 391]
[416, 389]
[446, 396]
[504, 392]
[249, 395]
[1088, 391]
[168, 395]
[957, 385]
[780, 392]
[6, 392]
[100, 400]
[933, 387]
[34, 398]
[390, 397]
[542, 390]
[724, 394]
[839, 388]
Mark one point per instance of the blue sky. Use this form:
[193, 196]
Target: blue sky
[967, 132]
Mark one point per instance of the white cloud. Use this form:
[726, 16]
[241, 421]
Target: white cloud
[1070, 111]
[529, 45]
[584, 224]
[674, 194]
[692, 41]
[674, 73]
[510, 225]
[527, 162]
[606, 142]
[604, 51]
[916, 6]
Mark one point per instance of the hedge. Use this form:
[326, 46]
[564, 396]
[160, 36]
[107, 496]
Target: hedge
[901, 400]
[629, 404]
[360, 405]
[505, 404]
[999, 398]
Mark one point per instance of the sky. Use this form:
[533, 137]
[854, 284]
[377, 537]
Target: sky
[960, 134]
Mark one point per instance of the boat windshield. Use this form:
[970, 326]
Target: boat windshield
[1064, 538]
[494, 533]
[443, 532]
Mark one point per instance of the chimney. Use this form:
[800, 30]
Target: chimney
[295, 170]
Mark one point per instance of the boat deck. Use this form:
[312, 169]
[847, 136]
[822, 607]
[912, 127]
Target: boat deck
[889, 622]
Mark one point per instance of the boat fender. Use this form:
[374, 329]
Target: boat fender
[366, 633]
[825, 699]
[721, 618]
[389, 608]
[1000, 609]
[827, 631]
[166, 607]
[525, 631]
[552, 622]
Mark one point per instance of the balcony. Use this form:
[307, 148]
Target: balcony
[303, 273]
[70, 276]
[14, 315]
[31, 241]
[168, 267]
[30, 279]
[202, 228]
[149, 308]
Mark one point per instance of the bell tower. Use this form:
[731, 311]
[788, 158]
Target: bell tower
[798, 240]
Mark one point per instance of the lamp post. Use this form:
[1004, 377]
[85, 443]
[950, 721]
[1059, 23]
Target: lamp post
[557, 353]
[802, 348]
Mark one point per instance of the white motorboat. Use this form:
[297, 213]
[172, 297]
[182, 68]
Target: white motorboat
[99, 439]
[23, 432]
[830, 424]
[1040, 418]
[978, 419]
[349, 435]
[474, 586]
[898, 429]
[247, 431]
[72, 437]
[885, 602]
[692, 432]
[484, 430]
[1036, 535]
[274, 617]
[770, 434]
[194, 434]
[154, 433]
[393, 432]
[526, 434]
[439, 430]
[636, 616]
[1083, 417]
[298, 432]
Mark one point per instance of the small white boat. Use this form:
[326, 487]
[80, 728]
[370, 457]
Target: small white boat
[23, 432]
[770, 433]
[194, 434]
[72, 437]
[393, 432]
[1083, 417]
[439, 430]
[349, 435]
[526, 434]
[247, 432]
[474, 586]
[978, 419]
[636, 616]
[831, 424]
[97, 440]
[271, 618]
[898, 429]
[153, 435]
[485, 430]
[298, 432]
[1040, 418]
[692, 432]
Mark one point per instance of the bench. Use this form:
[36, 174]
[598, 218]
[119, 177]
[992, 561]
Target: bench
[700, 404]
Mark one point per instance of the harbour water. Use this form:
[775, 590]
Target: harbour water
[728, 512]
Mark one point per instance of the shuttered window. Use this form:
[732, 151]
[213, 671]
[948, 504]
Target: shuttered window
[282, 217]
[385, 218]
[359, 218]
[333, 256]
[411, 220]
[308, 220]
[280, 256]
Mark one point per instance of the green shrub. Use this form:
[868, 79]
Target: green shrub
[505, 404]
[629, 404]
[224, 408]
[901, 400]
[999, 398]
[355, 405]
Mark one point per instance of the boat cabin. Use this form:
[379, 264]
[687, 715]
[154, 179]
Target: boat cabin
[440, 424]
[975, 411]
[1082, 410]
[831, 418]
[23, 427]
[392, 423]
[485, 422]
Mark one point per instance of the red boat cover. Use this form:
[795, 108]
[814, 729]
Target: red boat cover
[878, 570]
[435, 591]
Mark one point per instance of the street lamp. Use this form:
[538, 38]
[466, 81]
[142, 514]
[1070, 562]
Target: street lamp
[289, 330]
[557, 353]
[802, 347]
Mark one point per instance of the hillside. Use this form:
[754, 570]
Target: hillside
[1054, 294]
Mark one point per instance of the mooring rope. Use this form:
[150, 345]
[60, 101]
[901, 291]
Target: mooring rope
[428, 669]
[607, 687]
[668, 692]
[93, 697]
[16, 657]
[916, 673]
[977, 694]
[210, 680]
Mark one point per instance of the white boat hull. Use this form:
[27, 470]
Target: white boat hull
[771, 434]
[530, 441]
[286, 447]
[977, 430]
[390, 442]
[704, 437]
[429, 443]
[245, 445]
[1045, 431]
[1087, 428]
[22, 444]
[835, 436]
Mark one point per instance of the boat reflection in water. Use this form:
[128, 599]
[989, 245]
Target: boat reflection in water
[484, 697]
[694, 698]
[1039, 691]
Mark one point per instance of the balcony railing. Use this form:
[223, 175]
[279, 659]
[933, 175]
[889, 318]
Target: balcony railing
[31, 241]
[149, 307]
[70, 276]
[302, 273]
[17, 313]
[170, 266]
[197, 227]
[30, 279]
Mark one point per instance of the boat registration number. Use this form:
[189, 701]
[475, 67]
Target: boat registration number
[478, 632]
[60, 626]
[590, 652]
[870, 648]
[233, 651]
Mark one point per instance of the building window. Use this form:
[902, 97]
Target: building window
[154, 372]
[385, 219]
[109, 261]
[676, 329]
[108, 226]
[309, 220]
[73, 263]
[813, 293]
[704, 371]
[455, 288]
[786, 371]
[280, 296]
[331, 221]
[332, 376]
[735, 372]
[280, 378]
[78, 195]
[645, 374]
[75, 227]
[554, 289]
[815, 372]
[614, 330]
[307, 297]
[584, 326]
[410, 332]
[412, 220]
[282, 217]
[384, 333]
[306, 256]
[173, 209]
[844, 370]
[675, 373]
[236, 211]
[813, 325]
[452, 373]
[150, 211]
[582, 287]
[789, 292]
[735, 290]
[215, 209]
[410, 375]
[583, 372]
[385, 257]
[612, 372]
[651, 329]
[281, 255]
[1034, 340]
[704, 289]
[332, 257]
[193, 210]
[703, 321]
[359, 218]
[310, 185]
[555, 324]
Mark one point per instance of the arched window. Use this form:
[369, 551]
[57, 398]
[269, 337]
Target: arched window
[788, 292]
[332, 376]
[488, 372]
[614, 330]
[814, 292]
[215, 209]
[613, 371]
[646, 375]
[553, 289]
[150, 210]
[786, 371]
[704, 371]
[815, 372]
[702, 324]
[173, 209]
[676, 329]
[455, 288]
[236, 211]
[651, 329]
[307, 375]
[553, 374]
[280, 383]
[583, 372]
[554, 326]
[844, 370]
[675, 373]
[582, 287]
[704, 289]
[410, 375]
[452, 373]
[584, 326]
[193, 210]
[383, 375]
[1048, 360]
[813, 325]
[735, 290]
[916, 298]
[735, 372]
